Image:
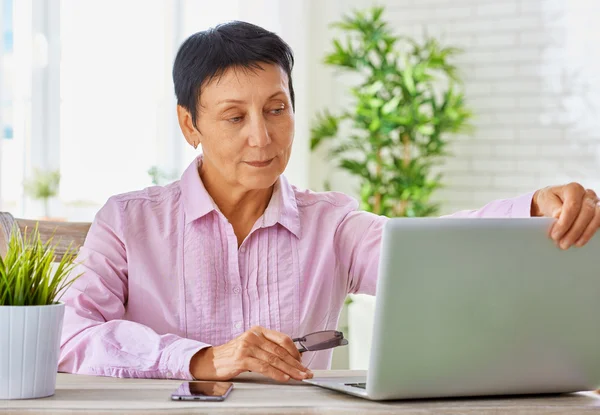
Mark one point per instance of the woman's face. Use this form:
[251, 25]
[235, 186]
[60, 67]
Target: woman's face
[245, 126]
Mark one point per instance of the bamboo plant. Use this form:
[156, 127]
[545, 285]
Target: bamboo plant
[405, 111]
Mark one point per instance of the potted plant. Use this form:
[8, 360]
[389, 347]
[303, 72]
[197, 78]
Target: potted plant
[43, 186]
[406, 107]
[31, 316]
[160, 177]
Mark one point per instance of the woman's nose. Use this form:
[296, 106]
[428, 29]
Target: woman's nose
[259, 134]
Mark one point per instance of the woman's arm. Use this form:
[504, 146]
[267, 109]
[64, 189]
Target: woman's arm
[357, 244]
[358, 238]
[95, 339]
[518, 207]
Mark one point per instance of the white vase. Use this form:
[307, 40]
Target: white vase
[361, 313]
[29, 350]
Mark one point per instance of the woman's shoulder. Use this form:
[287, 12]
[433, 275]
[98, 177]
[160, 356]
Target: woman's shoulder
[134, 203]
[153, 194]
[310, 199]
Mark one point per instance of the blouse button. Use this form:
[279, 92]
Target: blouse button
[236, 290]
[243, 249]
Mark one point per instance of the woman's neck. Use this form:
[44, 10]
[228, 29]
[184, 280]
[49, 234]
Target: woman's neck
[241, 207]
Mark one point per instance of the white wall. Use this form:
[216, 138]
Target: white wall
[530, 72]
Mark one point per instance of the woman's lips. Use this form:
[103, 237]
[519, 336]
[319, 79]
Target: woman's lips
[259, 163]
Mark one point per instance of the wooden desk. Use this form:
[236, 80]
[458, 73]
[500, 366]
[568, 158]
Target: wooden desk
[256, 395]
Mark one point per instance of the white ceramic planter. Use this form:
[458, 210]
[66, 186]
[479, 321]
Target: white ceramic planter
[29, 350]
[361, 313]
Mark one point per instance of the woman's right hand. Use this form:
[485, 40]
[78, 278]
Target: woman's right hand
[258, 350]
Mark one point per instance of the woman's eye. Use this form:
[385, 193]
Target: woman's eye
[277, 111]
[235, 120]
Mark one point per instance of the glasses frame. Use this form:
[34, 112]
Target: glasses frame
[336, 339]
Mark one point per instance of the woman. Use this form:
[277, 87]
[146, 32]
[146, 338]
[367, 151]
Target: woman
[214, 274]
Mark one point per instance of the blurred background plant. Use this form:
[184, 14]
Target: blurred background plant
[43, 185]
[405, 110]
[160, 177]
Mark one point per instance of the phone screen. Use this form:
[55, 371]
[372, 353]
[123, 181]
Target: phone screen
[202, 391]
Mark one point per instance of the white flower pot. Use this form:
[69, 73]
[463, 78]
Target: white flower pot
[361, 313]
[29, 350]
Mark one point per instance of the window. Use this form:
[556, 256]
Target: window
[6, 132]
[10, 146]
[113, 91]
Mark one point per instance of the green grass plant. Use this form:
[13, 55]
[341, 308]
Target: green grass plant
[29, 275]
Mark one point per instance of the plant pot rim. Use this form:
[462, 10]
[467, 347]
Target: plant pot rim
[59, 304]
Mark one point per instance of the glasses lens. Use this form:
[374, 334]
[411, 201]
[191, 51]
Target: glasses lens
[324, 340]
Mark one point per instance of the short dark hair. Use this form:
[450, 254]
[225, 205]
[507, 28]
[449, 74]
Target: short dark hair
[208, 54]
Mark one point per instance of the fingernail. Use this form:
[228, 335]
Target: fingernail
[555, 235]
[286, 377]
[579, 243]
[304, 374]
[564, 245]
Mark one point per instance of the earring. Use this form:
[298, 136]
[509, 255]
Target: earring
[195, 146]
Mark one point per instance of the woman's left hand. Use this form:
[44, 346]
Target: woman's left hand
[576, 208]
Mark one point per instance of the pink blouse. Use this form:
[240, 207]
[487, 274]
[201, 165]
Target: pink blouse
[163, 276]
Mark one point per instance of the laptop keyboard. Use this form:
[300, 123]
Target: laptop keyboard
[361, 385]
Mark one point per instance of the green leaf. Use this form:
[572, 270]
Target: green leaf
[373, 89]
[401, 119]
[377, 12]
[342, 148]
[407, 76]
[355, 167]
[391, 105]
[375, 124]
[425, 129]
[326, 127]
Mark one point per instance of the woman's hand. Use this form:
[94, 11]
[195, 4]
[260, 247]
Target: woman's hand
[258, 350]
[576, 209]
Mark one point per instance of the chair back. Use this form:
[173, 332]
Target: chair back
[63, 233]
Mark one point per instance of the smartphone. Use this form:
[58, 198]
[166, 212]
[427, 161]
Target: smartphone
[202, 391]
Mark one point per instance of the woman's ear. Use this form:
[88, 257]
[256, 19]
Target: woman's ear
[191, 134]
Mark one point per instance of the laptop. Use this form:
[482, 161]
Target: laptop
[480, 307]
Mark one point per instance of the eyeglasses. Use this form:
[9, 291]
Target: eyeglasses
[320, 340]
